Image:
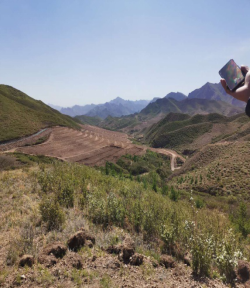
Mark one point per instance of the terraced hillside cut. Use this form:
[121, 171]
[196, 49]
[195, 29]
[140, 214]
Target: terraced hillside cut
[91, 146]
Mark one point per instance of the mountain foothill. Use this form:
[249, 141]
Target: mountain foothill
[162, 182]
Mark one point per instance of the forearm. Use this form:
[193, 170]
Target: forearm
[241, 93]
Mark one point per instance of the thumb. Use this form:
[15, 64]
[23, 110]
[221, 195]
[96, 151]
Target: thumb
[244, 69]
[224, 84]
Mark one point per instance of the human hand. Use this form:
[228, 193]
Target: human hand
[243, 92]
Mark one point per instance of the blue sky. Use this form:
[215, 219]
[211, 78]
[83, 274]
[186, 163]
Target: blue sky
[91, 51]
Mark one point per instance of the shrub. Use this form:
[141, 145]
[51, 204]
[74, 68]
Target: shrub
[242, 220]
[227, 256]
[199, 203]
[174, 195]
[164, 190]
[202, 248]
[52, 213]
[66, 196]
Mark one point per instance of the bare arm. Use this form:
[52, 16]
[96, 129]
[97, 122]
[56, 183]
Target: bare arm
[243, 92]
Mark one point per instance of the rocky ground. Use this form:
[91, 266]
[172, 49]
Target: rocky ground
[80, 263]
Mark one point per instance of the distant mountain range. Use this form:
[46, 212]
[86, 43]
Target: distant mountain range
[176, 95]
[115, 108]
[173, 102]
[77, 110]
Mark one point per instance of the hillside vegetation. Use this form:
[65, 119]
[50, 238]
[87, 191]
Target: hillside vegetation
[218, 169]
[138, 124]
[55, 199]
[181, 131]
[190, 106]
[84, 119]
[20, 115]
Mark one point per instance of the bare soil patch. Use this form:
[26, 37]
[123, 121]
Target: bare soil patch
[91, 146]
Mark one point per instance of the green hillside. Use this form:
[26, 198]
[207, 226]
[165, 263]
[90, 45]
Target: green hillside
[20, 115]
[180, 131]
[138, 123]
[84, 119]
[190, 106]
[219, 170]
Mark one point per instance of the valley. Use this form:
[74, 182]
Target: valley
[91, 146]
[169, 188]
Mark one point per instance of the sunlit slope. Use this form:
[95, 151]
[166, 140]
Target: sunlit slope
[190, 106]
[84, 119]
[181, 131]
[218, 169]
[21, 115]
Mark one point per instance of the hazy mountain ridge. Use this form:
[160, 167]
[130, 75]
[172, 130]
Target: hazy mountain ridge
[117, 107]
[176, 95]
[77, 110]
[214, 91]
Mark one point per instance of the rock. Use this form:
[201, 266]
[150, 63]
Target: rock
[187, 259]
[155, 263]
[77, 241]
[74, 260]
[57, 249]
[47, 260]
[113, 264]
[167, 261]
[23, 277]
[88, 243]
[114, 249]
[126, 253]
[129, 243]
[243, 271]
[51, 252]
[27, 260]
[136, 259]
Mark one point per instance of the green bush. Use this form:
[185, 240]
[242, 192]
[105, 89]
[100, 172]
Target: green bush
[66, 196]
[202, 248]
[199, 203]
[174, 195]
[227, 256]
[52, 213]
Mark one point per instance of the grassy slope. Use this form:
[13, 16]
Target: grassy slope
[165, 106]
[119, 123]
[84, 119]
[21, 115]
[190, 106]
[218, 169]
[181, 130]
